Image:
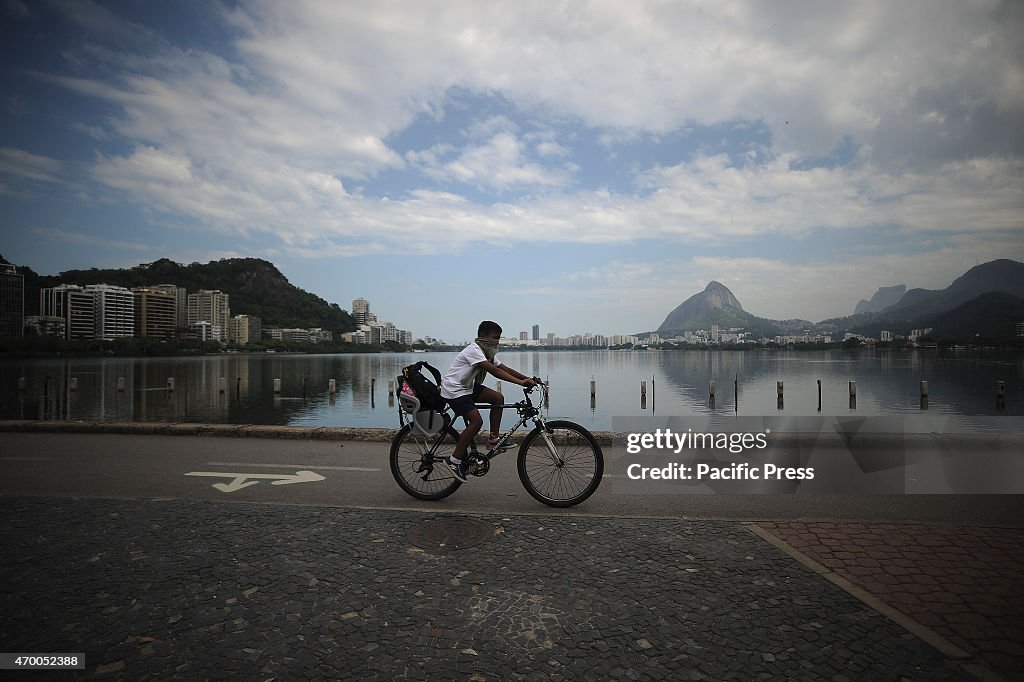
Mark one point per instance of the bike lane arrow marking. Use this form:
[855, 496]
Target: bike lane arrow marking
[239, 480]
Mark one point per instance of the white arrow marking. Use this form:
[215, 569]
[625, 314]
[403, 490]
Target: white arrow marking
[238, 480]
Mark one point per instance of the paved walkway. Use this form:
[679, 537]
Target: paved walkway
[152, 589]
[963, 583]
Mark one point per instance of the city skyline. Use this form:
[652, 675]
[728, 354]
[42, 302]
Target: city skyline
[577, 167]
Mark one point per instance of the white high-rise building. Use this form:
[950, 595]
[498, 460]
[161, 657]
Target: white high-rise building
[75, 305]
[361, 311]
[114, 310]
[209, 306]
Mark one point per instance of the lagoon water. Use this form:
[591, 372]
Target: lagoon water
[960, 385]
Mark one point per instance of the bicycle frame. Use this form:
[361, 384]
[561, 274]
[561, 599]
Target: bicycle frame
[525, 408]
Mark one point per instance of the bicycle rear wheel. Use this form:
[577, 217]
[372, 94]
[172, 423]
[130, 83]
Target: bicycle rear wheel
[563, 467]
[424, 477]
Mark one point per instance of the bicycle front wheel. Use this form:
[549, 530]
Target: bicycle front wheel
[560, 467]
[423, 475]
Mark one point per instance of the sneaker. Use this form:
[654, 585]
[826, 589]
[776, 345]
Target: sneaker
[458, 469]
[493, 440]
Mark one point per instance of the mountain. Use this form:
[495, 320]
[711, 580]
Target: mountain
[998, 275]
[255, 287]
[883, 298]
[715, 305]
[991, 316]
[985, 301]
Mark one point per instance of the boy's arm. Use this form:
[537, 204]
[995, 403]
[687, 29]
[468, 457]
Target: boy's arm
[506, 373]
[513, 372]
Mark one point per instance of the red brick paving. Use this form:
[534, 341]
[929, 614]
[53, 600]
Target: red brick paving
[967, 584]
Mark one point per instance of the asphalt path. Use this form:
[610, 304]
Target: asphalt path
[357, 475]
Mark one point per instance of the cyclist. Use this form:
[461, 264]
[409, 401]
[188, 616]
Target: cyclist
[463, 386]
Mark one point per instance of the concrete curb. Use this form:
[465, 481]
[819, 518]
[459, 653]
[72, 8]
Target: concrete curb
[372, 435]
[195, 429]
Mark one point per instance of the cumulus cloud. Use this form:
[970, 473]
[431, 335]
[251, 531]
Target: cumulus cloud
[499, 163]
[266, 135]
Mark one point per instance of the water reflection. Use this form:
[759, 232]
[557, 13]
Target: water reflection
[677, 384]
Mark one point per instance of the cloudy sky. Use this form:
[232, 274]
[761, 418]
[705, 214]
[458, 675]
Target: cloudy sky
[584, 166]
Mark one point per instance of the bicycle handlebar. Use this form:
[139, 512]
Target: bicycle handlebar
[537, 381]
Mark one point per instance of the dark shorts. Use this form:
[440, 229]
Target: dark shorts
[465, 404]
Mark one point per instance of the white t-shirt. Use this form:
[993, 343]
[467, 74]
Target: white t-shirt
[460, 371]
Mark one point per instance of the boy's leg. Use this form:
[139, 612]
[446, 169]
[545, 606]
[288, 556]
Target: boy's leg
[489, 395]
[473, 423]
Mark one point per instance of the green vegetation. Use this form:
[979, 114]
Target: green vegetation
[256, 287]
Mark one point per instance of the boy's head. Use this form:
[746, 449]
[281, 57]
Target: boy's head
[488, 329]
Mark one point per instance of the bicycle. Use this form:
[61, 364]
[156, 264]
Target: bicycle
[560, 462]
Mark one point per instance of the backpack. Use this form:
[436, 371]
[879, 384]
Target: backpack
[422, 398]
[429, 394]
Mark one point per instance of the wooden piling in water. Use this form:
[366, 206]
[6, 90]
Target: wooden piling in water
[73, 384]
[222, 385]
[593, 388]
[170, 384]
[779, 400]
[120, 384]
[853, 395]
[332, 386]
[1000, 395]
[277, 385]
[21, 383]
[819, 395]
[924, 395]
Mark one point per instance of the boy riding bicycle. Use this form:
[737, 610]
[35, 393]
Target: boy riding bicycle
[463, 387]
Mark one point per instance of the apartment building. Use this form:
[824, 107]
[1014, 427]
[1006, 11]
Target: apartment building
[155, 312]
[12, 301]
[245, 329]
[114, 311]
[209, 306]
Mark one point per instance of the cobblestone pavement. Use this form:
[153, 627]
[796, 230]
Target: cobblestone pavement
[191, 590]
[964, 583]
